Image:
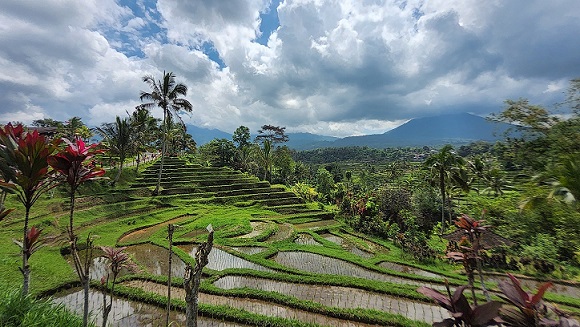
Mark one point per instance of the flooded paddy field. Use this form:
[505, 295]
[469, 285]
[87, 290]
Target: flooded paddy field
[251, 305]
[319, 264]
[127, 313]
[341, 297]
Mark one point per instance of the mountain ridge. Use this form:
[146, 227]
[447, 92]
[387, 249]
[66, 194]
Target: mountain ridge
[455, 129]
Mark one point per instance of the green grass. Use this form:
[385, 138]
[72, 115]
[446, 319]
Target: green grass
[18, 311]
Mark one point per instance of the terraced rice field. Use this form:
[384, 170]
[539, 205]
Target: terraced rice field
[262, 265]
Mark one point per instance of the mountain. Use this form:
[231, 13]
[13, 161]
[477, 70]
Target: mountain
[308, 141]
[455, 129]
[298, 141]
[205, 135]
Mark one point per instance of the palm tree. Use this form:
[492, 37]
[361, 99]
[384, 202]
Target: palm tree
[446, 167]
[119, 138]
[265, 158]
[143, 126]
[563, 179]
[165, 94]
[496, 181]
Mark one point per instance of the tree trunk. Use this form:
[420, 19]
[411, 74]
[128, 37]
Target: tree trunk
[86, 283]
[82, 270]
[164, 139]
[118, 176]
[192, 280]
[2, 200]
[25, 250]
[170, 229]
[442, 189]
[138, 160]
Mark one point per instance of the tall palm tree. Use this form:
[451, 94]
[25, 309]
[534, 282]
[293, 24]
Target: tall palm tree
[118, 137]
[144, 127]
[446, 167]
[165, 94]
[265, 158]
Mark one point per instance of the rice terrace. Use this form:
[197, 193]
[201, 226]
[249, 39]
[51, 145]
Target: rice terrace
[276, 258]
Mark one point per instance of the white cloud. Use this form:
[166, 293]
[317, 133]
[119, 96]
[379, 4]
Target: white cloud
[344, 66]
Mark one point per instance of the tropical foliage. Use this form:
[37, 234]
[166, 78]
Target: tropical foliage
[24, 165]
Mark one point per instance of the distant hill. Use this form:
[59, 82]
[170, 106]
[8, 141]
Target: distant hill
[308, 141]
[298, 141]
[202, 135]
[455, 129]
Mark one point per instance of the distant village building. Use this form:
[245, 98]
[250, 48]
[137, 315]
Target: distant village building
[46, 131]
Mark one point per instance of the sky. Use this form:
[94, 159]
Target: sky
[329, 67]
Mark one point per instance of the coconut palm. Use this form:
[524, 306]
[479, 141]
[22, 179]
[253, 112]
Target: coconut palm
[165, 94]
[265, 158]
[446, 167]
[144, 127]
[119, 139]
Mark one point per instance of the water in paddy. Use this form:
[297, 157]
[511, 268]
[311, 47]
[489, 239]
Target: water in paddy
[532, 285]
[338, 296]
[143, 234]
[319, 264]
[284, 231]
[408, 270]
[154, 259]
[306, 239]
[220, 260]
[258, 227]
[249, 249]
[347, 245]
[316, 224]
[251, 305]
[126, 313]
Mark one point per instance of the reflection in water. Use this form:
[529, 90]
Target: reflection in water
[284, 231]
[249, 249]
[306, 239]
[316, 224]
[407, 269]
[154, 259]
[220, 260]
[251, 305]
[258, 227]
[126, 313]
[338, 296]
[320, 264]
[347, 245]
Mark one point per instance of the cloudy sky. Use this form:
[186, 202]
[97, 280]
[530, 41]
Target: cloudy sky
[331, 67]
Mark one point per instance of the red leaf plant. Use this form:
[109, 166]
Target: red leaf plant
[25, 172]
[73, 163]
[32, 242]
[529, 309]
[469, 255]
[4, 213]
[118, 260]
[462, 314]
